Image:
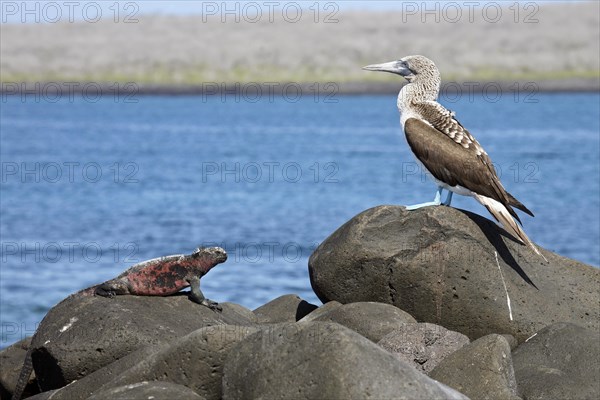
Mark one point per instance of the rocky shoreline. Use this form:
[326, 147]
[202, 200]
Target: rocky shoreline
[433, 304]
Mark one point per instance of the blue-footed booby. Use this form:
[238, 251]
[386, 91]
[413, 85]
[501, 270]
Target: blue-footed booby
[453, 157]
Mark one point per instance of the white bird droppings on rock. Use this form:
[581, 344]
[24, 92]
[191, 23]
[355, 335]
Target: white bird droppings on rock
[70, 324]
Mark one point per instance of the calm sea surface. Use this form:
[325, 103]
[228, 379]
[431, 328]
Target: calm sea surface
[90, 188]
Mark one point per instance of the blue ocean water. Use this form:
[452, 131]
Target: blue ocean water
[92, 187]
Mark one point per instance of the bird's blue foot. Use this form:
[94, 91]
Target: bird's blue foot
[448, 199]
[429, 203]
[436, 202]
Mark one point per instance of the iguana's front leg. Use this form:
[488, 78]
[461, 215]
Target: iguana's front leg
[197, 296]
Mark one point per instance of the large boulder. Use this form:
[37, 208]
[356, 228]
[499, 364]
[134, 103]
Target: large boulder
[561, 362]
[450, 267]
[244, 313]
[11, 361]
[83, 388]
[423, 345]
[372, 320]
[147, 390]
[481, 370]
[49, 395]
[286, 308]
[324, 309]
[195, 361]
[310, 360]
[84, 333]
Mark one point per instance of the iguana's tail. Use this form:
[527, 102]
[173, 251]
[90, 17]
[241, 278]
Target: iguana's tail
[23, 376]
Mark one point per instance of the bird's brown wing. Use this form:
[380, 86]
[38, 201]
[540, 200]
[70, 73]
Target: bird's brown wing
[452, 155]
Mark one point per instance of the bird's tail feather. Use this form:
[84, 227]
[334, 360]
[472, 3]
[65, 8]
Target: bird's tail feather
[517, 204]
[502, 215]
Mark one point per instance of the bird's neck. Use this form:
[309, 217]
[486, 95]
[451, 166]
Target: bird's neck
[417, 92]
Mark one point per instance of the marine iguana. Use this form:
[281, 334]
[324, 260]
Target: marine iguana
[157, 277]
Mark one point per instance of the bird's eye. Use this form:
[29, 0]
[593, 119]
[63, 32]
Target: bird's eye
[404, 64]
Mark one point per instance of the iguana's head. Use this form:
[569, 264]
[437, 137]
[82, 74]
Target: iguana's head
[216, 254]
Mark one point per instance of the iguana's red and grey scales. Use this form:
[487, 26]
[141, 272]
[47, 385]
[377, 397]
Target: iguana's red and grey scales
[165, 275]
[157, 277]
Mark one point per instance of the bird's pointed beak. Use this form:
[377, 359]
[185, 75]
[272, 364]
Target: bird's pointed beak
[394, 67]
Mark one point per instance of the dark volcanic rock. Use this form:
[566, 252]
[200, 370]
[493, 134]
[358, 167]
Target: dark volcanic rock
[311, 360]
[42, 396]
[148, 390]
[512, 341]
[561, 362]
[287, 308]
[423, 345]
[324, 309]
[243, 312]
[83, 334]
[195, 360]
[11, 361]
[439, 265]
[83, 388]
[481, 370]
[372, 320]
